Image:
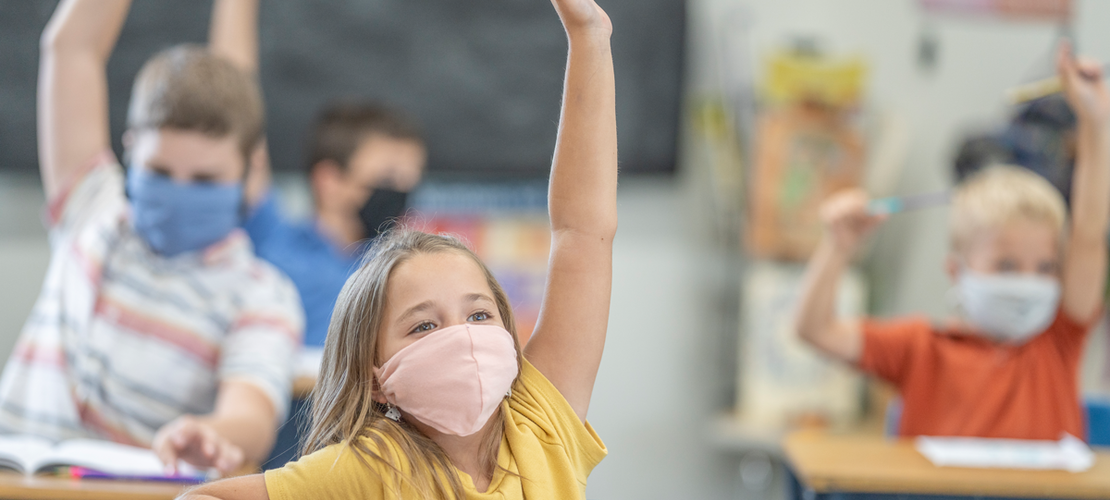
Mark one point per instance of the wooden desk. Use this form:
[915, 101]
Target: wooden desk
[872, 464]
[19, 486]
[302, 387]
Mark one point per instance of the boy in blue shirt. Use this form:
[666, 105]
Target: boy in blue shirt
[364, 160]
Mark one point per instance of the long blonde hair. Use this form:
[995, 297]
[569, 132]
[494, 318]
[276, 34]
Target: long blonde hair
[343, 409]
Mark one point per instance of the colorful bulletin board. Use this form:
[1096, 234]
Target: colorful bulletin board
[507, 226]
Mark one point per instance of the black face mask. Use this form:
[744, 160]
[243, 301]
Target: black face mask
[381, 210]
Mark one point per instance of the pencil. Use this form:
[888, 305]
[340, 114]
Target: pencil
[1038, 89]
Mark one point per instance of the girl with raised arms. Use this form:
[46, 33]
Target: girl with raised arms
[425, 391]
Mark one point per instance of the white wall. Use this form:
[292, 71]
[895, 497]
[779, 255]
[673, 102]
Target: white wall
[23, 254]
[655, 390]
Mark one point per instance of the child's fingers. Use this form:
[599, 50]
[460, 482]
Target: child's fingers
[184, 433]
[230, 458]
[167, 454]
[844, 204]
[875, 220]
[864, 222]
[1068, 66]
[1065, 60]
[1089, 69]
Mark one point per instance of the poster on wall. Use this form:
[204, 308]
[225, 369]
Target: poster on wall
[808, 146]
[1026, 10]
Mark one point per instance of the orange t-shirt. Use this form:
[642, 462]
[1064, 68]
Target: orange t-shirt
[955, 384]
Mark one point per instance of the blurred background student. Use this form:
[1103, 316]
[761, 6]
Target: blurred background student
[1028, 280]
[157, 325]
[363, 160]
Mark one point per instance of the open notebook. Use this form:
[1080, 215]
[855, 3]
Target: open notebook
[32, 455]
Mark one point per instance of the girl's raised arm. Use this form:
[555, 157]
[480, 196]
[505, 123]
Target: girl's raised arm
[582, 200]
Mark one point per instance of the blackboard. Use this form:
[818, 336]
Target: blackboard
[483, 77]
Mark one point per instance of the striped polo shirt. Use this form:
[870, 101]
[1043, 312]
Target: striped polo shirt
[122, 340]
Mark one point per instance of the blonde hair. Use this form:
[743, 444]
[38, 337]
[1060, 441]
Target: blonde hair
[999, 195]
[343, 409]
[189, 88]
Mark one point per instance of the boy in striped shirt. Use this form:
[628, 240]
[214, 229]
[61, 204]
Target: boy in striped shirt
[156, 325]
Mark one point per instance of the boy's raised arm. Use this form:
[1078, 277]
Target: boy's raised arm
[847, 223]
[233, 33]
[582, 199]
[73, 87]
[1084, 267]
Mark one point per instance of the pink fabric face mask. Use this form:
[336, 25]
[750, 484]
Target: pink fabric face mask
[454, 378]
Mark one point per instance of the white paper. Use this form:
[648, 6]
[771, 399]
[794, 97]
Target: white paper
[1069, 453]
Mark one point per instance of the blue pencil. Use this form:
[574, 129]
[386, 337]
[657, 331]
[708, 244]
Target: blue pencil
[896, 204]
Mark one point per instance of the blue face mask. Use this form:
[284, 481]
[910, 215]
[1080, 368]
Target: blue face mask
[176, 218]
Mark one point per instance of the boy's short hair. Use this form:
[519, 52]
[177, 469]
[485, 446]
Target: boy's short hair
[341, 127]
[189, 88]
[1000, 194]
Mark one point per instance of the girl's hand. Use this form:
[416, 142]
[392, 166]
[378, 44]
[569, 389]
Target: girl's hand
[1084, 86]
[583, 15]
[847, 220]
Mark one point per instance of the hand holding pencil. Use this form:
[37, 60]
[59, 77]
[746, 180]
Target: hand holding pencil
[848, 220]
[1085, 68]
[1082, 83]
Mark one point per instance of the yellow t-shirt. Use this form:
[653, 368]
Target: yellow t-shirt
[544, 443]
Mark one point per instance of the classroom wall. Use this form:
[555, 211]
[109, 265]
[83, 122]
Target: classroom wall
[665, 371]
[24, 253]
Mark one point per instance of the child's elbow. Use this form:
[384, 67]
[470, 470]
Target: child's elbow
[55, 41]
[608, 229]
[600, 227]
[806, 331]
[50, 40]
[803, 334]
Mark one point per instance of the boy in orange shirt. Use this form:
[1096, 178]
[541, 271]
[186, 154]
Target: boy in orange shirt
[1029, 282]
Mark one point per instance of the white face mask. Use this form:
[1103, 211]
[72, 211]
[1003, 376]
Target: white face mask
[1009, 307]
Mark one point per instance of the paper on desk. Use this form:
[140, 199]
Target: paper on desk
[1069, 453]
